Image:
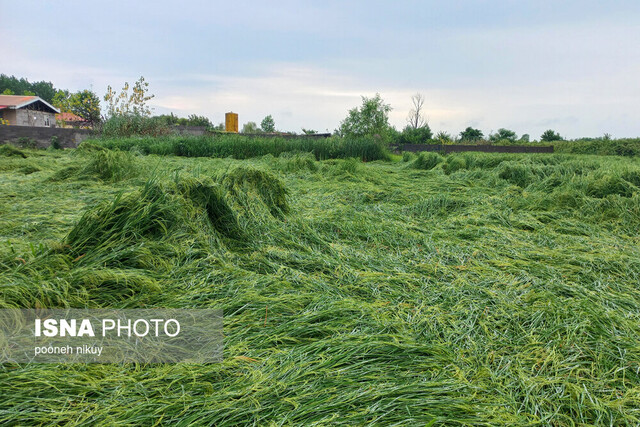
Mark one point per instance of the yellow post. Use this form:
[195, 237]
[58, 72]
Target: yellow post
[231, 122]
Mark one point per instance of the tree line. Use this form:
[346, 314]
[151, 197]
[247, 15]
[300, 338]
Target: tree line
[372, 119]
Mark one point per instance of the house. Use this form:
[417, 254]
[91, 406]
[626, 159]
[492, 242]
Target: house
[22, 110]
[70, 120]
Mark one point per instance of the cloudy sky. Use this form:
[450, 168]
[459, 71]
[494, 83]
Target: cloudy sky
[527, 65]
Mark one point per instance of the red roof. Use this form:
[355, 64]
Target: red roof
[69, 117]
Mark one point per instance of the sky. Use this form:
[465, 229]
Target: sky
[526, 65]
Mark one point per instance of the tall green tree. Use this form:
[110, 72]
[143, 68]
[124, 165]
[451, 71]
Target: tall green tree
[503, 135]
[15, 86]
[372, 118]
[471, 134]
[267, 124]
[549, 136]
[250, 127]
[86, 104]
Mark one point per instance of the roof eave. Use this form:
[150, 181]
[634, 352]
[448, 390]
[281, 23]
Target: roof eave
[24, 104]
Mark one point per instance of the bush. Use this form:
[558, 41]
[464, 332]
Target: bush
[11, 151]
[421, 135]
[371, 119]
[130, 125]
[55, 143]
[606, 147]
[550, 136]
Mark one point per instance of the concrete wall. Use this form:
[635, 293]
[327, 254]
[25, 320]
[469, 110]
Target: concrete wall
[26, 117]
[189, 130]
[41, 136]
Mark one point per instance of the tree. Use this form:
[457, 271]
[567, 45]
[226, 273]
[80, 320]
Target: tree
[372, 118]
[309, 131]
[44, 90]
[250, 127]
[125, 104]
[268, 125]
[195, 120]
[550, 136]
[524, 137]
[411, 135]
[86, 104]
[416, 117]
[503, 134]
[471, 134]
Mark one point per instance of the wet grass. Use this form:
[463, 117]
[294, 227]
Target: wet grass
[245, 147]
[471, 289]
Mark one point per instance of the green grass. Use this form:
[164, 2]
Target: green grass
[244, 147]
[469, 289]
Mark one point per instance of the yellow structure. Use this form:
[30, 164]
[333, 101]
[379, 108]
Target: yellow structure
[231, 122]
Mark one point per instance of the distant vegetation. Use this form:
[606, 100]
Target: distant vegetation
[244, 147]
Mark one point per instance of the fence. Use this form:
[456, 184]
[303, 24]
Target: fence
[40, 137]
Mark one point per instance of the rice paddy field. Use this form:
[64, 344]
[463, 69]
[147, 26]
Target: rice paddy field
[472, 289]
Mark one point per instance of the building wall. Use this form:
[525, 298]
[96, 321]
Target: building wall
[9, 115]
[41, 136]
[25, 117]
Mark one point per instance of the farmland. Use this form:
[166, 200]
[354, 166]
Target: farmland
[469, 289]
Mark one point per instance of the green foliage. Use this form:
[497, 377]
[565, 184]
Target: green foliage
[371, 119]
[250, 127]
[613, 147]
[84, 103]
[7, 150]
[129, 104]
[55, 143]
[131, 125]
[193, 120]
[503, 135]
[244, 147]
[387, 295]
[104, 165]
[410, 135]
[443, 137]
[426, 161]
[550, 136]
[472, 135]
[268, 125]
[12, 85]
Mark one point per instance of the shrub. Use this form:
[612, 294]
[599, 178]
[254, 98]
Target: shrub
[11, 151]
[549, 136]
[130, 125]
[421, 135]
[426, 161]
